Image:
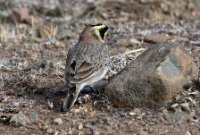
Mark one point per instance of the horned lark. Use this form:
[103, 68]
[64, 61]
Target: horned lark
[87, 62]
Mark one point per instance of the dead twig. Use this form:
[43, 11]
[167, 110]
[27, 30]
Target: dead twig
[134, 51]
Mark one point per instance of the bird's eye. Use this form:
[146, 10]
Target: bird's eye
[73, 65]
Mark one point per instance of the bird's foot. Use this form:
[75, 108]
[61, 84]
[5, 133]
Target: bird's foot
[64, 109]
[66, 106]
[89, 90]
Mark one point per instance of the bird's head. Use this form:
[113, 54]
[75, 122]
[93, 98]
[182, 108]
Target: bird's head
[96, 32]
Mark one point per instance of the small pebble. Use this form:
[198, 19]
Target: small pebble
[18, 120]
[50, 131]
[174, 105]
[33, 116]
[142, 133]
[58, 121]
[80, 126]
[177, 117]
[137, 111]
[89, 114]
[3, 97]
[188, 133]
[78, 110]
[132, 113]
[106, 77]
[185, 107]
[11, 107]
[96, 132]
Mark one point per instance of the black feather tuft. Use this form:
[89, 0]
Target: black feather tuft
[93, 25]
[103, 31]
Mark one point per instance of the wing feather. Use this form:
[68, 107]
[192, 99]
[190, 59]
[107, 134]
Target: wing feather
[85, 66]
[82, 62]
[84, 74]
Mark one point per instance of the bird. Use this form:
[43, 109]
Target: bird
[87, 62]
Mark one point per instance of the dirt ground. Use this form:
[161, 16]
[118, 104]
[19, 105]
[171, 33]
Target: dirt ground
[34, 40]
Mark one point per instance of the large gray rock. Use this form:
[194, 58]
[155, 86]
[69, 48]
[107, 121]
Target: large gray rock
[153, 78]
[18, 120]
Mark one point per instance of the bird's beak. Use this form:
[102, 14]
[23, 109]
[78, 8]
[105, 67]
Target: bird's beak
[110, 28]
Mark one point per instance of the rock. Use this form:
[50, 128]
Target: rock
[177, 117]
[4, 118]
[77, 110]
[132, 113]
[156, 37]
[174, 106]
[185, 107]
[153, 78]
[96, 131]
[188, 133]
[18, 120]
[89, 114]
[10, 107]
[51, 131]
[33, 116]
[137, 111]
[80, 126]
[20, 15]
[100, 86]
[63, 132]
[58, 121]
[142, 133]
[3, 97]
[127, 42]
[195, 131]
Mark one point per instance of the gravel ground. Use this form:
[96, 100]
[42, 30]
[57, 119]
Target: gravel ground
[33, 49]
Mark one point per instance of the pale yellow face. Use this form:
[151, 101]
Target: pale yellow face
[97, 30]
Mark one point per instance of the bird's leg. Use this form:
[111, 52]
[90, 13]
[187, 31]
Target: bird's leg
[70, 99]
[64, 106]
[74, 98]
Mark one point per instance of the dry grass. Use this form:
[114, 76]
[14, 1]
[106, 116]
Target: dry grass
[22, 32]
[8, 33]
